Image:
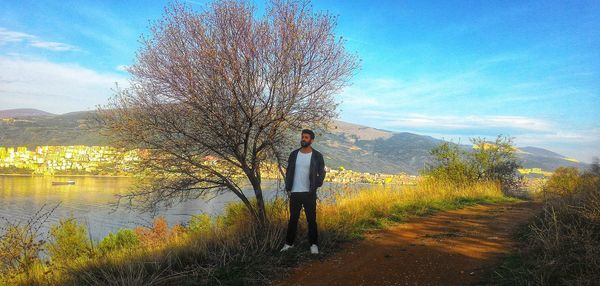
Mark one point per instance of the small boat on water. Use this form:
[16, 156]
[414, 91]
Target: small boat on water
[63, 183]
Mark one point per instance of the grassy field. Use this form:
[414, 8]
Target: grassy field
[229, 250]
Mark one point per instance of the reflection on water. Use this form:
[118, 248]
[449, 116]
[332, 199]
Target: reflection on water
[90, 199]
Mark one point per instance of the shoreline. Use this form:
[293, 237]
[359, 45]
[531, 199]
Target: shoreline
[38, 175]
[123, 176]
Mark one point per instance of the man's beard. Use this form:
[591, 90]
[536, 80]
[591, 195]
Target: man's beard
[304, 143]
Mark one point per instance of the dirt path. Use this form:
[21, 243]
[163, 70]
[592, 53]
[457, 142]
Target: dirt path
[450, 248]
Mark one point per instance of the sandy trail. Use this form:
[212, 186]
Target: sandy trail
[448, 248]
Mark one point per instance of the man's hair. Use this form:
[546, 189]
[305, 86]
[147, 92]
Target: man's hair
[309, 132]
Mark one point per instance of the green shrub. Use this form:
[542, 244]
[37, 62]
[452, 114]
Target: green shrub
[123, 239]
[19, 251]
[69, 242]
[488, 161]
[564, 180]
[561, 246]
[451, 165]
[22, 243]
[200, 223]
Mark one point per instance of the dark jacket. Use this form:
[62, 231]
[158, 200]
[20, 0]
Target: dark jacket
[316, 172]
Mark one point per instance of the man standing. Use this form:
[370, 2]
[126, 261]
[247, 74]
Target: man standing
[304, 174]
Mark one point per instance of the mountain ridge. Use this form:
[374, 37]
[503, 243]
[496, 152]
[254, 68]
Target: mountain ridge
[23, 112]
[352, 146]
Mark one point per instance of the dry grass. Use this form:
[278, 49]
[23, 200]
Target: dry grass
[561, 246]
[232, 251]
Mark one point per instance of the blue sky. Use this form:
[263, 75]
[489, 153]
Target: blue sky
[450, 70]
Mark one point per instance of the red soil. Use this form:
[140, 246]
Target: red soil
[449, 248]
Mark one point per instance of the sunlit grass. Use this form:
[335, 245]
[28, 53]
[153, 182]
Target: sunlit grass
[230, 249]
[377, 208]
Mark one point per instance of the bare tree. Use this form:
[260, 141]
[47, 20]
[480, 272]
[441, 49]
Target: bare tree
[214, 95]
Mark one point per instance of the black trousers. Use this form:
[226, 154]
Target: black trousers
[297, 201]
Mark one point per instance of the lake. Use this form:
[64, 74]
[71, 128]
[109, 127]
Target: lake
[91, 201]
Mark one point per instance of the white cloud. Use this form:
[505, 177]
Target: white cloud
[581, 144]
[122, 68]
[574, 136]
[53, 46]
[7, 36]
[453, 122]
[54, 87]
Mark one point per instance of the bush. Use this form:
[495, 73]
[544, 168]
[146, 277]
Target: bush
[123, 239]
[561, 246]
[69, 242]
[200, 223]
[21, 245]
[159, 234]
[496, 161]
[488, 161]
[451, 165]
[564, 180]
[19, 251]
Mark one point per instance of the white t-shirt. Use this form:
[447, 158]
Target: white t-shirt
[301, 181]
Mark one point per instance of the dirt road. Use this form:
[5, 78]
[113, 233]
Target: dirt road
[449, 248]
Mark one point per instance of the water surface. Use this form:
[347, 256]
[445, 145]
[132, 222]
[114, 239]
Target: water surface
[91, 201]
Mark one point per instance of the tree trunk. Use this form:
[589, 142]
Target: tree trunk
[260, 202]
[245, 200]
[261, 215]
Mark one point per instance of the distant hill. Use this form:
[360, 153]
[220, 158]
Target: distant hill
[534, 157]
[367, 149]
[49, 129]
[352, 146]
[23, 112]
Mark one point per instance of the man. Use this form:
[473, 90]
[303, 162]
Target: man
[304, 174]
